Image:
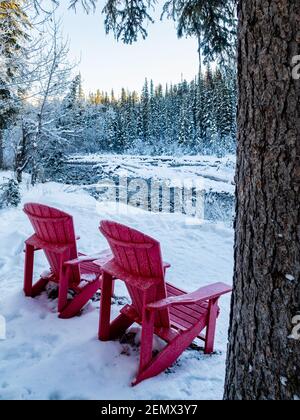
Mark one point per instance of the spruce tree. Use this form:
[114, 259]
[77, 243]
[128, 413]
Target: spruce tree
[200, 112]
[209, 120]
[10, 194]
[145, 113]
[72, 113]
[13, 25]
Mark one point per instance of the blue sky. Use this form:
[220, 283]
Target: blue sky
[106, 63]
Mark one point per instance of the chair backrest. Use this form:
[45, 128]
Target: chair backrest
[139, 255]
[55, 227]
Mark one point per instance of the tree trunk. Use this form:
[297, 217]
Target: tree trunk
[21, 160]
[263, 360]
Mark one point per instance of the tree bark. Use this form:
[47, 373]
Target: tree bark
[263, 362]
[21, 158]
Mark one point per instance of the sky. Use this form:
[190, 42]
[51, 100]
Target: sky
[106, 64]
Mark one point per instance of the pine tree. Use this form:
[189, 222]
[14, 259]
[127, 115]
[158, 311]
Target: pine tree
[145, 113]
[72, 112]
[112, 97]
[98, 99]
[170, 117]
[152, 132]
[186, 120]
[159, 119]
[209, 120]
[112, 129]
[199, 115]
[214, 19]
[10, 194]
[196, 116]
[125, 120]
[224, 115]
[13, 25]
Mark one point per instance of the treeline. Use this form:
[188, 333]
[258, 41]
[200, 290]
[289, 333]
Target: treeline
[195, 117]
[45, 114]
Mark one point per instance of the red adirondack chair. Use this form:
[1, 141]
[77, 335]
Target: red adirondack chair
[55, 235]
[159, 307]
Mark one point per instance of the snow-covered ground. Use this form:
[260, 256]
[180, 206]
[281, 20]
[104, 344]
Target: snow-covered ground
[44, 357]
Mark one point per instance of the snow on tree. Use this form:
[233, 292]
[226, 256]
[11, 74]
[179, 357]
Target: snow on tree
[10, 194]
[13, 26]
[49, 136]
[195, 117]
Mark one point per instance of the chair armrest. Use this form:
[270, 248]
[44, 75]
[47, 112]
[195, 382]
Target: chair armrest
[117, 272]
[103, 256]
[40, 244]
[211, 292]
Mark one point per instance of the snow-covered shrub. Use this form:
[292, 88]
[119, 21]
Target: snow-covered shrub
[10, 194]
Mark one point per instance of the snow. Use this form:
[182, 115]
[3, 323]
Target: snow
[283, 380]
[5, 176]
[289, 277]
[215, 174]
[44, 357]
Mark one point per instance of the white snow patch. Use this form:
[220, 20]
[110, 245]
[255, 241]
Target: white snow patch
[88, 277]
[283, 380]
[45, 274]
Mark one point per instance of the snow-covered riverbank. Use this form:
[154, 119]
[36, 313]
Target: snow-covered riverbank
[216, 174]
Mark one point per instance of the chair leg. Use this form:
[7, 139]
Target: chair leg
[211, 326]
[63, 285]
[119, 326]
[147, 339]
[73, 308]
[147, 331]
[28, 270]
[105, 307]
[39, 286]
[113, 288]
[170, 353]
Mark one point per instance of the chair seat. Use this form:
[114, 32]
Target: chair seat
[184, 317]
